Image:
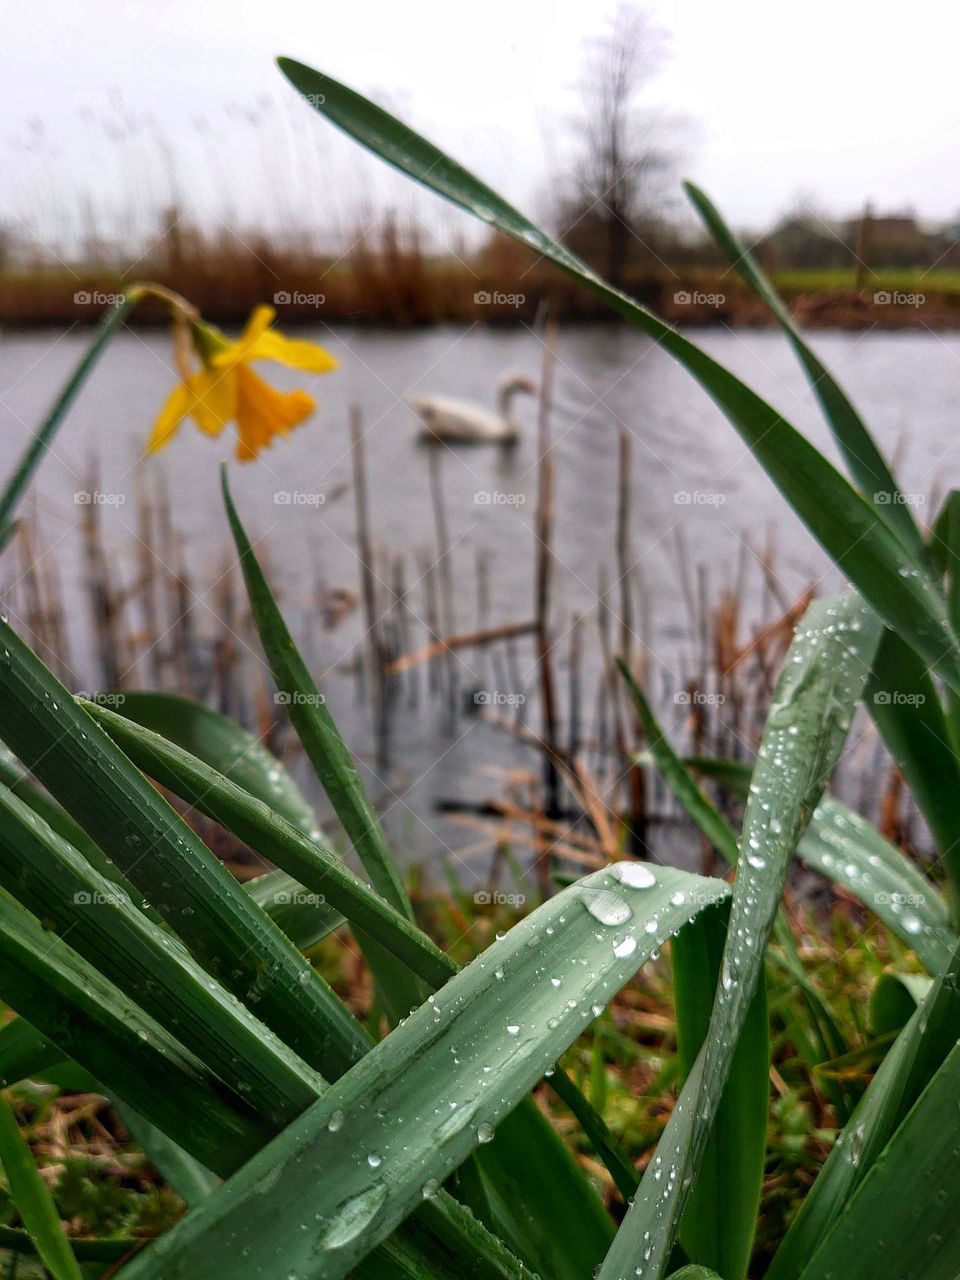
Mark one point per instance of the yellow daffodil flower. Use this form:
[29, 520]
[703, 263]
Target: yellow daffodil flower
[226, 389]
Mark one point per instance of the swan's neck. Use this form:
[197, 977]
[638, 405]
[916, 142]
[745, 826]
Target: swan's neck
[505, 403]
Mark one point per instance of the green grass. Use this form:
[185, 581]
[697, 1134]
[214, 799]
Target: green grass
[935, 282]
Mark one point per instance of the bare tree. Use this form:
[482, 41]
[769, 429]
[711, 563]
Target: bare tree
[621, 163]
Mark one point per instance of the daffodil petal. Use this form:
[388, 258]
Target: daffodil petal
[174, 411]
[262, 412]
[261, 318]
[214, 402]
[295, 353]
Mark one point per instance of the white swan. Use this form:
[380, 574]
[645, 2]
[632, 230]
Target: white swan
[460, 422]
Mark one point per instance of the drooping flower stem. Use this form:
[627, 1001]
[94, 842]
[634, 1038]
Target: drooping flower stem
[40, 442]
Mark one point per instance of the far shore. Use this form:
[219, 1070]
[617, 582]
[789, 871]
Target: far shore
[424, 292]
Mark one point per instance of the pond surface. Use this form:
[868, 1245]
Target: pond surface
[699, 503]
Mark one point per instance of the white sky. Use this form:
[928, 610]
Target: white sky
[839, 100]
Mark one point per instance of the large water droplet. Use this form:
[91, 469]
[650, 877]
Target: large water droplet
[633, 874]
[353, 1217]
[607, 907]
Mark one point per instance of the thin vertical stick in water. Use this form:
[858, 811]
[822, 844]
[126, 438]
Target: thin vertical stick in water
[543, 533]
[612, 682]
[482, 569]
[635, 775]
[368, 582]
[624, 554]
[425, 573]
[573, 687]
[405, 619]
[444, 570]
[32, 610]
[186, 663]
[147, 585]
[102, 598]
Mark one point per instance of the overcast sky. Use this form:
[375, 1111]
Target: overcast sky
[840, 101]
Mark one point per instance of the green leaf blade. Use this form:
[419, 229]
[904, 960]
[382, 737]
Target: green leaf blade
[821, 682]
[195, 894]
[435, 1089]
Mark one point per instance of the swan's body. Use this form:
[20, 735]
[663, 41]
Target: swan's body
[460, 422]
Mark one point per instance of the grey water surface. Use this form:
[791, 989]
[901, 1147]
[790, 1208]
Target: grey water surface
[699, 504]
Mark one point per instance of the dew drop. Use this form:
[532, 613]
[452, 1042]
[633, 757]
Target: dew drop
[607, 907]
[633, 874]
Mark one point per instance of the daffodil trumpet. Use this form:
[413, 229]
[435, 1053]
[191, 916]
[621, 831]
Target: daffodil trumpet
[225, 388]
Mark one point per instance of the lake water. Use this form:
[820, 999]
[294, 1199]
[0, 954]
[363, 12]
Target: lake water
[698, 499]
